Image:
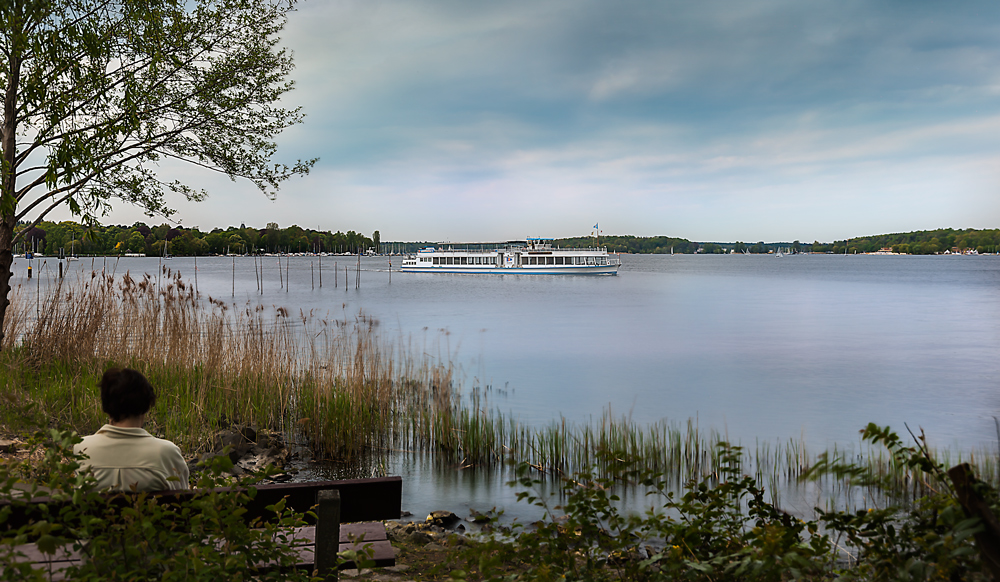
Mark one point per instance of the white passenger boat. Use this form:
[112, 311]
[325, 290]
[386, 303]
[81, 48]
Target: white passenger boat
[533, 256]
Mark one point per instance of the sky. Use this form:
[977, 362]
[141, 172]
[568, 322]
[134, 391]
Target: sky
[711, 120]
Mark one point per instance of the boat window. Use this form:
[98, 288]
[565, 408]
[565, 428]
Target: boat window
[590, 260]
[551, 260]
[436, 259]
[559, 260]
[451, 260]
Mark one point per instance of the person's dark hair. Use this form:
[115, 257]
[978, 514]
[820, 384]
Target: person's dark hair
[125, 392]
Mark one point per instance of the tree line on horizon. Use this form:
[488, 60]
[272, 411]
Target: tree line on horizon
[921, 242]
[73, 238]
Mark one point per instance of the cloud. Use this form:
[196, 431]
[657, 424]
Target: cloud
[720, 119]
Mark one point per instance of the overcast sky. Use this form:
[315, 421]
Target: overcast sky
[710, 120]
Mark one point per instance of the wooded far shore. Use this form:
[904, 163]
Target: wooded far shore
[49, 238]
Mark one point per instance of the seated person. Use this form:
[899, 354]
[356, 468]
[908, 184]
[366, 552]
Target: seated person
[123, 456]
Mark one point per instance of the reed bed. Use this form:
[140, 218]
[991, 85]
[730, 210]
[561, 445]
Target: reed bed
[338, 385]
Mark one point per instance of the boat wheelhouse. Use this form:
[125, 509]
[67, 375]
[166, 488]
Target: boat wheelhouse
[532, 256]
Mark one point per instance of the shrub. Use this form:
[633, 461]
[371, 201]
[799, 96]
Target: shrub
[136, 536]
[722, 527]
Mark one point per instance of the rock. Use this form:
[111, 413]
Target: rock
[434, 547]
[395, 531]
[399, 568]
[7, 446]
[478, 518]
[256, 459]
[442, 518]
[420, 538]
[249, 434]
[237, 443]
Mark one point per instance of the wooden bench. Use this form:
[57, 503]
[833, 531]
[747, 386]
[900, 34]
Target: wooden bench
[344, 512]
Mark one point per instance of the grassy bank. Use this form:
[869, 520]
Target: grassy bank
[338, 384]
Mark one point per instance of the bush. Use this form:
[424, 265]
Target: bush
[723, 528]
[136, 536]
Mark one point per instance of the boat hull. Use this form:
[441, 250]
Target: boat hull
[523, 270]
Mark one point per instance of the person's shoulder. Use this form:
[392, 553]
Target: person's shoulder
[166, 446]
[89, 440]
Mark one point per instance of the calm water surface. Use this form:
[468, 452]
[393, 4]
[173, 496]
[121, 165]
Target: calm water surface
[809, 347]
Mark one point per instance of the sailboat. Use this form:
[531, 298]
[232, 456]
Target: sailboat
[72, 256]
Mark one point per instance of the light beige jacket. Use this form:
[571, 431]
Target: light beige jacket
[125, 457]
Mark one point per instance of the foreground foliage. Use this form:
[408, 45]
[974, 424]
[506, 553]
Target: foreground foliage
[204, 538]
[723, 527]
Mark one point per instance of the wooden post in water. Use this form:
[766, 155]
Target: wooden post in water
[196, 275]
[287, 260]
[357, 274]
[234, 276]
[312, 274]
[281, 280]
[390, 271]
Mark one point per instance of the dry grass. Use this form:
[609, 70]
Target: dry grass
[337, 384]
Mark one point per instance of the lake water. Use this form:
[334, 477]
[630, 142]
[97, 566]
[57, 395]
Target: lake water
[807, 347]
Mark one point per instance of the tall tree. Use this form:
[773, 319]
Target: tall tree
[98, 92]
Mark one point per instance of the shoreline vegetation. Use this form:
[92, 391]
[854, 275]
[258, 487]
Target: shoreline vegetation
[353, 395]
[71, 238]
[342, 388]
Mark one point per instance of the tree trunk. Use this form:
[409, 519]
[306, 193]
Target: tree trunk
[6, 260]
[8, 177]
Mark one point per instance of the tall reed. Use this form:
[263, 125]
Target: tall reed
[337, 384]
